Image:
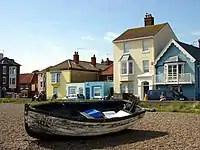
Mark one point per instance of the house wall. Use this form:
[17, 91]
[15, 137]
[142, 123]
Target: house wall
[162, 38]
[188, 90]
[107, 86]
[197, 80]
[65, 77]
[138, 57]
[41, 79]
[189, 66]
[83, 76]
[91, 85]
[77, 86]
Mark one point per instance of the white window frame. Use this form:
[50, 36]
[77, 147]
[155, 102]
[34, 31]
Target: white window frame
[126, 87]
[109, 77]
[127, 48]
[4, 80]
[174, 75]
[145, 68]
[127, 67]
[4, 69]
[95, 92]
[70, 93]
[12, 70]
[145, 46]
[80, 90]
[11, 79]
[55, 77]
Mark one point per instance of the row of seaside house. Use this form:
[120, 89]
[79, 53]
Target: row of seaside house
[144, 58]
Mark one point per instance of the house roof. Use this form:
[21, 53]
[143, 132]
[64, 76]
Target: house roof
[192, 52]
[8, 61]
[83, 65]
[108, 70]
[140, 32]
[25, 78]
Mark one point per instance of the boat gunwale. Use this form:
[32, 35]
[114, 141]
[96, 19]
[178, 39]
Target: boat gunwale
[29, 107]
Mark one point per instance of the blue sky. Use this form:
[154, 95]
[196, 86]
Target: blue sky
[39, 33]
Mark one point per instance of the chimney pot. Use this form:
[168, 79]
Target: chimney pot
[76, 57]
[93, 60]
[148, 20]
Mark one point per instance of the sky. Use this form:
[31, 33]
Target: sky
[41, 33]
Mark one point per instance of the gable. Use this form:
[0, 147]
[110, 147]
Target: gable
[172, 49]
[108, 70]
[173, 54]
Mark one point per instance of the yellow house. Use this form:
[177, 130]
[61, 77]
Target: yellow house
[71, 71]
[134, 53]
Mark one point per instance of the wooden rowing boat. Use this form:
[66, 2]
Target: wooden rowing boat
[69, 118]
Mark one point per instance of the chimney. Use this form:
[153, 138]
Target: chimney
[76, 57]
[199, 42]
[107, 61]
[93, 60]
[148, 20]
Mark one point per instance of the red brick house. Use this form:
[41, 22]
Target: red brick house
[28, 84]
[107, 74]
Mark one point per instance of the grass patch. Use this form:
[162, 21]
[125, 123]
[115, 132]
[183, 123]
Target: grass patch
[189, 107]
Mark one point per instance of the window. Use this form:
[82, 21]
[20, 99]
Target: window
[97, 92]
[55, 77]
[126, 47]
[72, 92]
[127, 87]
[12, 70]
[4, 80]
[109, 78]
[4, 69]
[55, 90]
[12, 81]
[172, 72]
[127, 67]
[80, 90]
[41, 84]
[123, 67]
[145, 66]
[145, 46]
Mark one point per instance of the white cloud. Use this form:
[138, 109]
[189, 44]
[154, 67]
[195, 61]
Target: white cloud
[109, 36]
[87, 38]
[196, 33]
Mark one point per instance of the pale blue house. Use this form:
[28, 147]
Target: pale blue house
[99, 89]
[90, 90]
[178, 68]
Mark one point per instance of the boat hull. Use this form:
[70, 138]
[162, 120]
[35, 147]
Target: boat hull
[38, 123]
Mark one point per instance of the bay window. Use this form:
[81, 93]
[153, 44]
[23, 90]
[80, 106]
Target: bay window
[55, 77]
[174, 71]
[127, 67]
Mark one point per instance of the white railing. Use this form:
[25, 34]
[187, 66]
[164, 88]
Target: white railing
[183, 78]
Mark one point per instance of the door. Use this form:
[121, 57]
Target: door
[146, 88]
[87, 90]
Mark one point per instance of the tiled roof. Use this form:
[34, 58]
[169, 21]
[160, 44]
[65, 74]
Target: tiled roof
[8, 61]
[83, 65]
[192, 50]
[108, 70]
[140, 32]
[25, 78]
